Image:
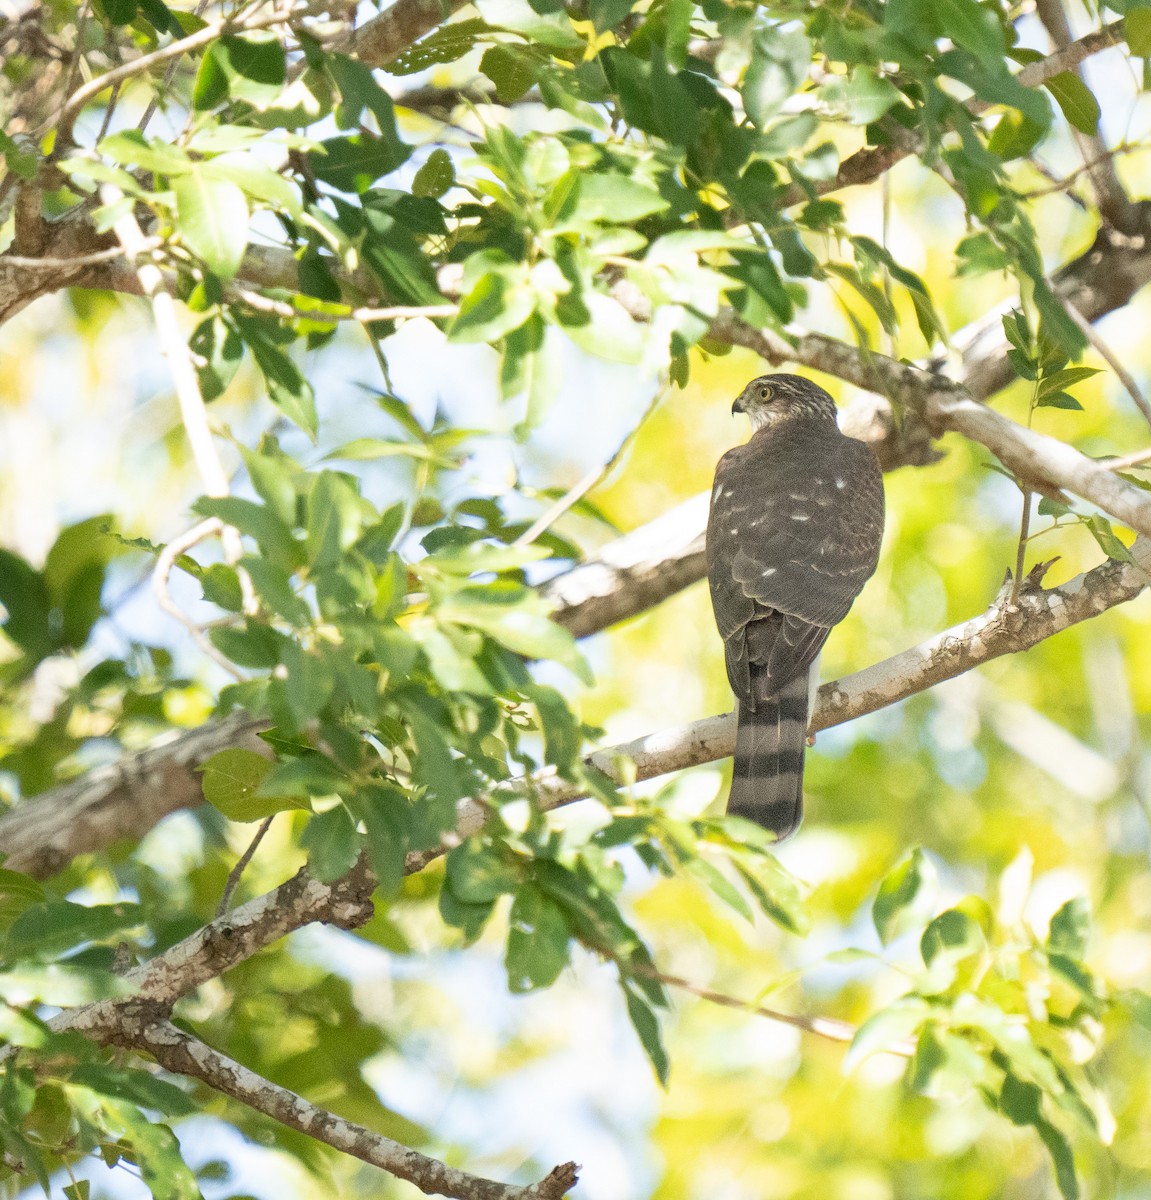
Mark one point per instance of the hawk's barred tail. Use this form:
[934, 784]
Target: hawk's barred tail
[767, 782]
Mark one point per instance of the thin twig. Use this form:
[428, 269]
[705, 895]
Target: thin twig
[160, 576]
[831, 1028]
[169, 75]
[173, 346]
[81, 260]
[1128, 460]
[1112, 360]
[238, 870]
[595, 476]
[289, 312]
[202, 37]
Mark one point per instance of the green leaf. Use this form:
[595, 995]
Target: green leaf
[131, 148]
[157, 1153]
[436, 176]
[74, 572]
[470, 919]
[1068, 377]
[1052, 508]
[334, 510]
[607, 14]
[258, 181]
[255, 520]
[512, 71]
[646, 1024]
[885, 1028]
[978, 254]
[17, 893]
[1015, 135]
[973, 27]
[903, 895]
[951, 937]
[538, 937]
[710, 875]
[1138, 1004]
[383, 809]
[776, 892]
[332, 843]
[212, 215]
[1100, 529]
[305, 778]
[249, 67]
[1017, 330]
[27, 607]
[354, 162]
[616, 199]
[493, 308]
[218, 351]
[221, 586]
[1075, 99]
[1137, 31]
[445, 45]
[563, 736]
[288, 390]
[868, 96]
[273, 586]
[50, 928]
[779, 63]
[231, 781]
[138, 1087]
[1070, 928]
[477, 873]
[519, 627]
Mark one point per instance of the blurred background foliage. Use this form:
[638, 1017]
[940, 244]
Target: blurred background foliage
[1014, 800]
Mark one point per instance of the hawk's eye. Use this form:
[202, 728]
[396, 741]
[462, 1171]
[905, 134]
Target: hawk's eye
[764, 392]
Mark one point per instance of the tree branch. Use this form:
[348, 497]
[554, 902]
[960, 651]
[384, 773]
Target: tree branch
[119, 801]
[1114, 204]
[387, 36]
[183, 1054]
[945, 406]
[1003, 629]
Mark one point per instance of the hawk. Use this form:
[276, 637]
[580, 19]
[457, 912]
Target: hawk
[792, 536]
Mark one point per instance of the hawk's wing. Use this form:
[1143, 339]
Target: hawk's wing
[793, 534]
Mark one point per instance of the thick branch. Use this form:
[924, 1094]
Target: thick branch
[387, 36]
[119, 801]
[184, 1054]
[944, 405]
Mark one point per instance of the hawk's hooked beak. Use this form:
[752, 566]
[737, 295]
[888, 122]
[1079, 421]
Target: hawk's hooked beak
[737, 405]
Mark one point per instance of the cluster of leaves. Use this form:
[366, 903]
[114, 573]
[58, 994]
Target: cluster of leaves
[62, 1098]
[50, 614]
[658, 180]
[1040, 359]
[999, 1011]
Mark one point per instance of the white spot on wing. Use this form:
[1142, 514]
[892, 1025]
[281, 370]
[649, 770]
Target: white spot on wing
[769, 571]
[801, 516]
[841, 483]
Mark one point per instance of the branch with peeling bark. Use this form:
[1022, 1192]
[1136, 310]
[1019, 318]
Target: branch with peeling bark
[140, 1027]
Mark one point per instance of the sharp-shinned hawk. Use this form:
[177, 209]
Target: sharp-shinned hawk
[793, 534]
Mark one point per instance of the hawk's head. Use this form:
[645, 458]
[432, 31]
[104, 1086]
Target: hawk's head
[774, 398]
